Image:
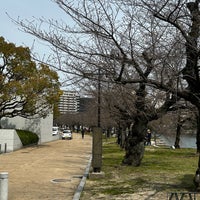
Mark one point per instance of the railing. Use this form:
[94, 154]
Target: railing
[182, 195]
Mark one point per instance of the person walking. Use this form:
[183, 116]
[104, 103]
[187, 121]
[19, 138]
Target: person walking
[148, 137]
[83, 132]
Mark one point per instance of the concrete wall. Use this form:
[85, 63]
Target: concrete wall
[11, 139]
[42, 127]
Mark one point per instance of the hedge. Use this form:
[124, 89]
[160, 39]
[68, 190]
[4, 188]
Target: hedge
[27, 137]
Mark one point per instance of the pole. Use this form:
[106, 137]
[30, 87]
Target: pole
[97, 134]
[99, 100]
[5, 150]
[4, 185]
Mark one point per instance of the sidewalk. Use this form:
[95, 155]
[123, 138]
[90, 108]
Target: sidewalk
[50, 171]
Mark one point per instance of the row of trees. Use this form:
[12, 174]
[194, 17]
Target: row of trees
[150, 49]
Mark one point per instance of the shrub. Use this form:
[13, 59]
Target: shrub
[27, 137]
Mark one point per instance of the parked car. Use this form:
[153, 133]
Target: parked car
[55, 130]
[67, 134]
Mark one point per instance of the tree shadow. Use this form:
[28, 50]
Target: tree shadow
[186, 184]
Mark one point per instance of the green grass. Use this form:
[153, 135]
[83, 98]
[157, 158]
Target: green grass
[162, 170]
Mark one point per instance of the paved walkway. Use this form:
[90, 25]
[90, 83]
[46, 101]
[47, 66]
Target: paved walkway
[50, 171]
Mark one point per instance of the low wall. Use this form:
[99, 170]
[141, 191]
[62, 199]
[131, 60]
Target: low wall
[42, 127]
[11, 139]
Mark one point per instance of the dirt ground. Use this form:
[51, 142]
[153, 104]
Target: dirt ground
[49, 171]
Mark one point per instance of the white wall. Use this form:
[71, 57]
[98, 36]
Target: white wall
[11, 139]
[42, 127]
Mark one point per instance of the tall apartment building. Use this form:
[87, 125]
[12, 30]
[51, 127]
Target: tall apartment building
[69, 102]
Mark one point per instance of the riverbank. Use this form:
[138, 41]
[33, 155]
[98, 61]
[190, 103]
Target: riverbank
[163, 170]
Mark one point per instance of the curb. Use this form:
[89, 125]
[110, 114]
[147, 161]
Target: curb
[80, 187]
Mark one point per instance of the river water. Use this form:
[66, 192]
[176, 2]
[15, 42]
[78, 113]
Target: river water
[186, 141]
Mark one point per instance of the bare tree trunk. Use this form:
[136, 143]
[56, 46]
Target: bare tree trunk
[123, 139]
[178, 133]
[197, 175]
[198, 134]
[119, 135]
[135, 144]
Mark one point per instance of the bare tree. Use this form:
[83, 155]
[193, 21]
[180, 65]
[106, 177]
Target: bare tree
[184, 18]
[130, 42]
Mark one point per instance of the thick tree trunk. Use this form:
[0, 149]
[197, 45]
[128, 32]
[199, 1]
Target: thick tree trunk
[134, 152]
[197, 175]
[135, 144]
[198, 133]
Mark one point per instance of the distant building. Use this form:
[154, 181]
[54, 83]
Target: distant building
[69, 102]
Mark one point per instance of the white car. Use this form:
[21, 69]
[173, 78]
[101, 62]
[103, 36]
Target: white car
[67, 134]
[55, 130]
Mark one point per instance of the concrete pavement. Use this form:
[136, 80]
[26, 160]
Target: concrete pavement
[49, 171]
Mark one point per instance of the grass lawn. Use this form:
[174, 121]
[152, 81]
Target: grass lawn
[163, 170]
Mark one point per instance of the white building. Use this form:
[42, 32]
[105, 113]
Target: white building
[69, 102]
